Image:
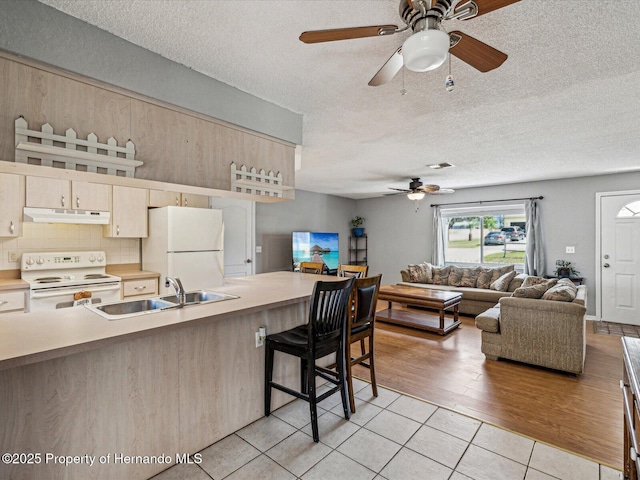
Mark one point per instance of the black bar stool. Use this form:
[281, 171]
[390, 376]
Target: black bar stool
[324, 334]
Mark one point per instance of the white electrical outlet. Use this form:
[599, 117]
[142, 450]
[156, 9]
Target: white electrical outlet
[13, 256]
[259, 340]
[570, 249]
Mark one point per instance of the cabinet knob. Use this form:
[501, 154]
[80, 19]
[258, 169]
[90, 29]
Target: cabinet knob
[12, 227]
[4, 302]
[177, 201]
[186, 202]
[117, 229]
[140, 288]
[62, 200]
[77, 202]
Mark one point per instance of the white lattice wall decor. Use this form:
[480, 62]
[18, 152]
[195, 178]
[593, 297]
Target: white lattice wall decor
[90, 154]
[251, 181]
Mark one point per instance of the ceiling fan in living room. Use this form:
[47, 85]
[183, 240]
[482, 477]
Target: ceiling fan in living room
[417, 190]
[427, 48]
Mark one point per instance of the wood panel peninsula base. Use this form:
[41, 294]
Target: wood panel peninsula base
[422, 297]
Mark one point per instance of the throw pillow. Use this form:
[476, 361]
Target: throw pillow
[534, 291]
[533, 280]
[470, 277]
[455, 275]
[484, 277]
[560, 293]
[517, 282]
[440, 275]
[420, 273]
[502, 283]
[500, 271]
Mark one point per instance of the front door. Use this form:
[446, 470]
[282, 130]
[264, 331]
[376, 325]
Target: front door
[619, 257]
[238, 217]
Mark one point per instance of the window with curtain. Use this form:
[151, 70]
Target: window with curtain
[485, 234]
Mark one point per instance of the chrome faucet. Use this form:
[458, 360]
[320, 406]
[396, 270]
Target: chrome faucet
[177, 286]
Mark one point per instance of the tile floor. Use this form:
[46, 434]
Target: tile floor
[392, 437]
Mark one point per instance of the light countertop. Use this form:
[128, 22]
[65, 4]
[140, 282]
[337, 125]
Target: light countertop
[27, 338]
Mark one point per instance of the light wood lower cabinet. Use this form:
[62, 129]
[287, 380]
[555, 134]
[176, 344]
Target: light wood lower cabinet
[13, 301]
[140, 287]
[12, 203]
[128, 213]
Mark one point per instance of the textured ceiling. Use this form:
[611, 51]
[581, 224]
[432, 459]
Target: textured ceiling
[565, 103]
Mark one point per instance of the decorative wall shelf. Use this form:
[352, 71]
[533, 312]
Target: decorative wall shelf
[94, 156]
[257, 183]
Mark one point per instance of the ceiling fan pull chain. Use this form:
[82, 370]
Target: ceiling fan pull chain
[403, 92]
[448, 82]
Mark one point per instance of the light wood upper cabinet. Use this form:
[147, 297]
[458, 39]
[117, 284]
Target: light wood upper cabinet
[11, 204]
[128, 213]
[90, 196]
[196, 201]
[73, 195]
[48, 192]
[161, 198]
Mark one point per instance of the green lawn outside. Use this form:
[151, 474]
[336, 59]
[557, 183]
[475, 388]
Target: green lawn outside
[512, 257]
[463, 243]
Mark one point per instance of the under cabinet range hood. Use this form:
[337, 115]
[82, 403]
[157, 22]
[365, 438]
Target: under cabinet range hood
[61, 215]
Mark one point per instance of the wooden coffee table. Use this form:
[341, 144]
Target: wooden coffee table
[422, 297]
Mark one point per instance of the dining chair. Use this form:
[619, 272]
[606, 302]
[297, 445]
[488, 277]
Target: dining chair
[361, 325]
[325, 333]
[311, 267]
[357, 271]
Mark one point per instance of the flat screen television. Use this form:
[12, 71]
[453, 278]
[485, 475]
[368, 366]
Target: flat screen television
[315, 247]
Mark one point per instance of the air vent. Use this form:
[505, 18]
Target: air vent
[438, 166]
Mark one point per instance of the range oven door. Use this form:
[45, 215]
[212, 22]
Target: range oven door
[62, 297]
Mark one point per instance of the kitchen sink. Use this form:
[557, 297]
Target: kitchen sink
[133, 308]
[130, 308]
[199, 297]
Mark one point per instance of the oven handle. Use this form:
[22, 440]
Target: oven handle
[67, 291]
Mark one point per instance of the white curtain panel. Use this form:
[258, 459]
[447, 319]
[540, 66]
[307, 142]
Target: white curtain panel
[534, 262]
[437, 253]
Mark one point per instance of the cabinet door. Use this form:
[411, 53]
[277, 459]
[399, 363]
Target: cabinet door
[197, 201]
[48, 192]
[12, 201]
[90, 196]
[128, 213]
[161, 198]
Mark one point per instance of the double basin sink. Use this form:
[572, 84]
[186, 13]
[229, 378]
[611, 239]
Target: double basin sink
[132, 308]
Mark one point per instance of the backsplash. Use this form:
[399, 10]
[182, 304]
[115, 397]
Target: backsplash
[60, 237]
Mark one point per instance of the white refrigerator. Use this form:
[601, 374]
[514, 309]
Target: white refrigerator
[186, 243]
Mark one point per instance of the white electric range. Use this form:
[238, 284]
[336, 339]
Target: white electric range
[56, 277]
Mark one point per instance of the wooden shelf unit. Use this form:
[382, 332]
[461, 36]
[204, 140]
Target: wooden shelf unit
[358, 250]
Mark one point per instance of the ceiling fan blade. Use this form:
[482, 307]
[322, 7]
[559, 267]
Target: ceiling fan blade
[317, 36]
[388, 70]
[428, 188]
[443, 191]
[404, 190]
[476, 53]
[486, 6]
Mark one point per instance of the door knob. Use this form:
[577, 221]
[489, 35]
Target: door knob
[248, 260]
[606, 265]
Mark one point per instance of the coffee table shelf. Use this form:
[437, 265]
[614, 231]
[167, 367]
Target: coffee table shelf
[423, 297]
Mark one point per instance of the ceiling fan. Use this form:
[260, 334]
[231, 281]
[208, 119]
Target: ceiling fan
[417, 190]
[427, 48]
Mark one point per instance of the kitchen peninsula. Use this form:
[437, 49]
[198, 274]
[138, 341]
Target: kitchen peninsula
[168, 383]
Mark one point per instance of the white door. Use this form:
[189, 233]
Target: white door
[239, 226]
[620, 257]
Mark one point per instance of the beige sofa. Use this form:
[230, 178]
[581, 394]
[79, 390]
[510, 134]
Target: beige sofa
[466, 280]
[548, 333]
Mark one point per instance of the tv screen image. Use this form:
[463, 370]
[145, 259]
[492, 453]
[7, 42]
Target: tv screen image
[315, 247]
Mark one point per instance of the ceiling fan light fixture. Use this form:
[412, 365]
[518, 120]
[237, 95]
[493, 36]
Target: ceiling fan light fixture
[425, 50]
[415, 195]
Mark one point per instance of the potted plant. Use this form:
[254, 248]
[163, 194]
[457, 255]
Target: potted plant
[356, 225]
[565, 269]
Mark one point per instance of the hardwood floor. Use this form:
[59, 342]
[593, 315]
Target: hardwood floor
[580, 414]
